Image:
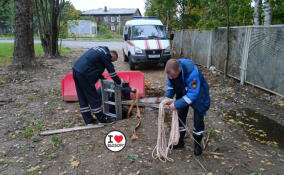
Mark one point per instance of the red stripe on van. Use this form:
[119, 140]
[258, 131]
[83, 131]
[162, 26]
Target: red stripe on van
[145, 45]
[160, 44]
[148, 45]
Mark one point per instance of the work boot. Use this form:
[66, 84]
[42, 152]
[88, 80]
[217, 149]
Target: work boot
[95, 121]
[197, 145]
[180, 144]
[106, 119]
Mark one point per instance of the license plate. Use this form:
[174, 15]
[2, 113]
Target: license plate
[154, 56]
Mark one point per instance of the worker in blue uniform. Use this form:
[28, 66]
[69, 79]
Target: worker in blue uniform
[87, 70]
[186, 81]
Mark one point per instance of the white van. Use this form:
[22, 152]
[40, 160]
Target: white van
[145, 41]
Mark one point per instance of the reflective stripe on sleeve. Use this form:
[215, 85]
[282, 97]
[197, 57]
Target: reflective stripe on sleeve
[187, 100]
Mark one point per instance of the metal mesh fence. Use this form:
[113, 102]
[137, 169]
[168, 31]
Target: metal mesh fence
[265, 64]
[256, 53]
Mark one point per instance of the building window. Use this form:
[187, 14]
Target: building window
[118, 19]
[106, 19]
[113, 27]
[112, 19]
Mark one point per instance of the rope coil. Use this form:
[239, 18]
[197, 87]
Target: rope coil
[138, 114]
[162, 148]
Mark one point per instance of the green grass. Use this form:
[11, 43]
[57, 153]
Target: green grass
[6, 37]
[95, 39]
[12, 37]
[7, 49]
[99, 38]
[110, 37]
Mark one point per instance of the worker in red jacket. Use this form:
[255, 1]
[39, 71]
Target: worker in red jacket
[87, 70]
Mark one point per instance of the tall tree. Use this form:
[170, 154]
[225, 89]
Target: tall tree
[165, 10]
[48, 12]
[6, 16]
[24, 41]
[202, 14]
[68, 13]
[278, 11]
[257, 12]
[267, 12]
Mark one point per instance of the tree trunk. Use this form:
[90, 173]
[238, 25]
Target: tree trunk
[257, 12]
[54, 10]
[24, 41]
[47, 12]
[267, 12]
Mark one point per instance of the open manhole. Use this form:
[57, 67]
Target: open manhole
[257, 126]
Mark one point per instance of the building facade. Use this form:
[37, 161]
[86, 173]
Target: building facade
[82, 28]
[113, 18]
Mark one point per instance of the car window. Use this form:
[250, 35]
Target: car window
[149, 32]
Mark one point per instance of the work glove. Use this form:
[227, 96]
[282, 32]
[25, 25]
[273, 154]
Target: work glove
[125, 84]
[167, 101]
[122, 83]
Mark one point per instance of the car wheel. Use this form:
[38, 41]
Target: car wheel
[125, 57]
[131, 64]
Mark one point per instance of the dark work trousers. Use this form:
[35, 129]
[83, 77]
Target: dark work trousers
[88, 97]
[198, 120]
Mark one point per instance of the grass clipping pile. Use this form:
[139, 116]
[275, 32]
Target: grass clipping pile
[162, 148]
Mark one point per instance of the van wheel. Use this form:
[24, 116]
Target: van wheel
[125, 57]
[131, 64]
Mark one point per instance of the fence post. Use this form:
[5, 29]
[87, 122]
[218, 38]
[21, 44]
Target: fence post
[244, 62]
[209, 49]
[181, 42]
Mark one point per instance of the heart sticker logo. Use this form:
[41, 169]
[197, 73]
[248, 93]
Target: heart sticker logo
[118, 138]
[115, 141]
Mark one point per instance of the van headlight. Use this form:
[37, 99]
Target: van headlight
[138, 50]
[168, 49]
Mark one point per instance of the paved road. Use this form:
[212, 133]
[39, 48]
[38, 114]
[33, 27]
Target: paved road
[113, 45]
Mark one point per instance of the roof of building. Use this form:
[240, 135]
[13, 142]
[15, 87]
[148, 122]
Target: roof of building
[111, 11]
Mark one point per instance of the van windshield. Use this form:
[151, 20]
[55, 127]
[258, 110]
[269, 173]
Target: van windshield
[148, 32]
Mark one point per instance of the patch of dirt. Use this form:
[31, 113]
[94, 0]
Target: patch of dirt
[32, 103]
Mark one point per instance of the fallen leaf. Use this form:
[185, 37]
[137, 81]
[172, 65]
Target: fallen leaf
[75, 163]
[216, 157]
[148, 84]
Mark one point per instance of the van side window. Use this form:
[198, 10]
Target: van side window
[129, 32]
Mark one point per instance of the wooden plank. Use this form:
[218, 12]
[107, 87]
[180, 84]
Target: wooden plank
[77, 128]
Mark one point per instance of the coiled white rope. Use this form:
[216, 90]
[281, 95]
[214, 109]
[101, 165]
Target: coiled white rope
[162, 148]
